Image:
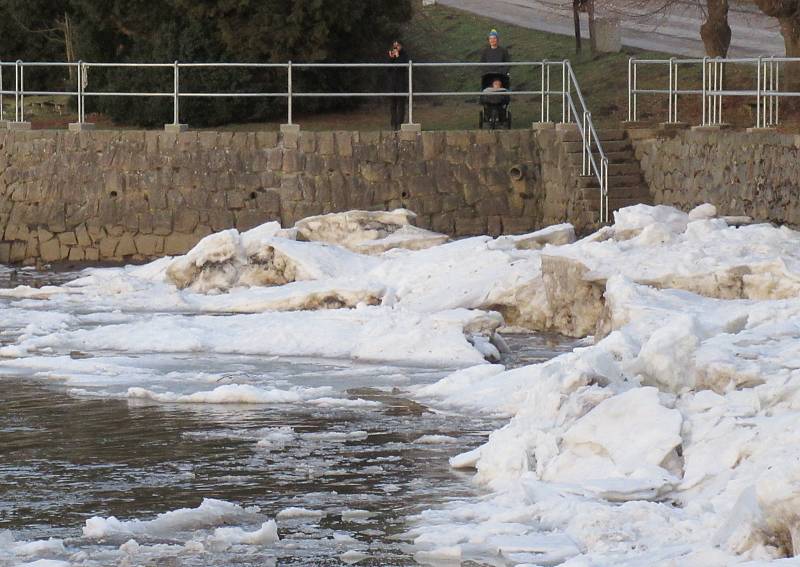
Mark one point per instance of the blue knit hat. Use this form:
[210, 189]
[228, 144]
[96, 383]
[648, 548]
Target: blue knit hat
[493, 33]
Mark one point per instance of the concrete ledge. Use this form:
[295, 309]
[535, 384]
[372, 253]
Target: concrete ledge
[673, 125]
[176, 128]
[543, 125]
[81, 127]
[290, 128]
[766, 130]
[633, 124]
[711, 128]
[410, 127]
[19, 125]
[565, 126]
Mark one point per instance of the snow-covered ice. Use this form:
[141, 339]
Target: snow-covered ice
[672, 438]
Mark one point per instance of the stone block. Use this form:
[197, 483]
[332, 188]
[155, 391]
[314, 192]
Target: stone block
[81, 127]
[470, 226]
[107, 247]
[149, 245]
[68, 238]
[178, 243]
[76, 254]
[5, 252]
[126, 246]
[18, 249]
[266, 139]
[92, 254]
[344, 143]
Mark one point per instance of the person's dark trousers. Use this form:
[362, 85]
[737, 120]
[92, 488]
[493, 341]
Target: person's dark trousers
[398, 111]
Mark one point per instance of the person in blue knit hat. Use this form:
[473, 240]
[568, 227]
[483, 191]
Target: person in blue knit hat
[494, 53]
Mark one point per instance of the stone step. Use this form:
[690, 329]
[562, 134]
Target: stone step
[631, 180]
[592, 194]
[611, 146]
[593, 207]
[625, 156]
[605, 135]
[624, 169]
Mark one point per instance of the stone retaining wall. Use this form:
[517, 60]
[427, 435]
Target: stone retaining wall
[742, 173]
[114, 195]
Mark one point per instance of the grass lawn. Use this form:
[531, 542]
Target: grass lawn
[437, 33]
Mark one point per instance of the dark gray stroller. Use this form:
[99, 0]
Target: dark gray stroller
[495, 113]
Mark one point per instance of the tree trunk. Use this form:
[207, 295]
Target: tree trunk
[592, 34]
[790, 29]
[577, 20]
[715, 31]
[69, 47]
[788, 14]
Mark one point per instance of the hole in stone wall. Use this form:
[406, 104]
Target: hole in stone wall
[113, 194]
[404, 194]
[253, 195]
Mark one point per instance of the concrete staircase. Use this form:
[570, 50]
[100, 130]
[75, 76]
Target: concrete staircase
[626, 184]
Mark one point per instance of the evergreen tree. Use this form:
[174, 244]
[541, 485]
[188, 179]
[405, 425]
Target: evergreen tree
[257, 31]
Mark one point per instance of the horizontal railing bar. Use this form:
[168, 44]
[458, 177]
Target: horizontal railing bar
[497, 64]
[161, 65]
[245, 95]
[254, 65]
[87, 93]
[482, 93]
[44, 93]
[50, 64]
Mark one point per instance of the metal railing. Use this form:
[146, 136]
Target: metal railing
[573, 106]
[766, 87]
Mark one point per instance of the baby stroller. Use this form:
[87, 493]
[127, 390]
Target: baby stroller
[495, 113]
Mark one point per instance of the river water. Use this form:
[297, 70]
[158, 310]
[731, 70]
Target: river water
[345, 477]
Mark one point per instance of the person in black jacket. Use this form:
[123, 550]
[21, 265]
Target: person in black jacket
[398, 82]
[493, 53]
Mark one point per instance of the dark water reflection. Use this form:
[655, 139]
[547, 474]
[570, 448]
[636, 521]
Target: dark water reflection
[65, 459]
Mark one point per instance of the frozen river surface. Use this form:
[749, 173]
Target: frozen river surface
[342, 458]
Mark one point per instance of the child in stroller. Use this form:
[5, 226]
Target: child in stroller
[495, 113]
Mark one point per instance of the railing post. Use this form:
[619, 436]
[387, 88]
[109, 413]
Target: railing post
[19, 106]
[635, 94]
[176, 125]
[777, 88]
[290, 127]
[410, 126]
[583, 145]
[547, 113]
[564, 90]
[772, 97]
[81, 124]
[719, 90]
[2, 114]
[176, 104]
[80, 92]
[19, 98]
[758, 94]
[705, 68]
[410, 92]
[541, 114]
[675, 91]
[630, 108]
[604, 189]
[289, 93]
[669, 106]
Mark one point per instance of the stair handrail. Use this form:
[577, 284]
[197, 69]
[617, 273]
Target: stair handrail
[589, 138]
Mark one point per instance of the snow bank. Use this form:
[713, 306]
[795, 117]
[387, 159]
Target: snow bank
[209, 513]
[369, 232]
[367, 334]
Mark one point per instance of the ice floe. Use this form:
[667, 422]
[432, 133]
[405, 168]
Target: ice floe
[671, 438]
